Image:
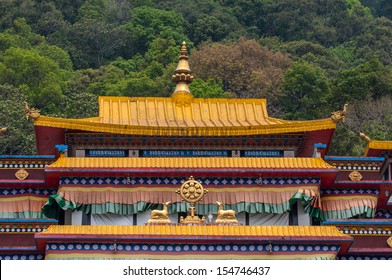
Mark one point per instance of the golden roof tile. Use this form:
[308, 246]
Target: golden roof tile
[209, 230]
[196, 162]
[190, 117]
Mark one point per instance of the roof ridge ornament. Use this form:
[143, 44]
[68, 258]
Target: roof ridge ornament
[365, 137]
[339, 116]
[182, 77]
[31, 113]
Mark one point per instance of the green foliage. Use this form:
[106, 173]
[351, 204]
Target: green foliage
[148, 23]
[369, 80]
[305, 89]
[80, 105]
[38, 75]
[20, 138]
[207, 89]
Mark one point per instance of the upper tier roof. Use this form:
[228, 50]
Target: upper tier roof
[171, 117]
[183, 115]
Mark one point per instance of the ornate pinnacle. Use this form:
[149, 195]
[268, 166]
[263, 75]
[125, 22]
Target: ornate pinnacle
[182, 77]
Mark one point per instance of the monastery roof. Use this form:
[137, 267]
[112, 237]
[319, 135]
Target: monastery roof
[205, 231]
[183, 115]
[194, 162]
[200, 117]
[375, 147]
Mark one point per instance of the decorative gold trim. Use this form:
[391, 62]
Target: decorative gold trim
[21, 174]
[339, 116]
[355, 176]
[389, 241]
[31, 113]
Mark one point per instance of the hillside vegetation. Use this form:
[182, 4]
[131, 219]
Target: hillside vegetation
[307, 57]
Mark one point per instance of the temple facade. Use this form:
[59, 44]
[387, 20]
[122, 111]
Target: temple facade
[193, 178]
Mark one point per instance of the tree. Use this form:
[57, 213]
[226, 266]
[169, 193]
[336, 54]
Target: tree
[207, 89]
[372, 117]
[20, 138]
[245, 69]
[368, 80]
[148, 23]
[39, 76]
[305, 90]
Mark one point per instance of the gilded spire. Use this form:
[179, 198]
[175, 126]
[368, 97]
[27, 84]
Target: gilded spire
[182, 77]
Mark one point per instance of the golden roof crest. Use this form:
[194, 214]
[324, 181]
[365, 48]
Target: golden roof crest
[182, 77]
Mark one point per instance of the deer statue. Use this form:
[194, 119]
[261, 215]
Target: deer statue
[225, 216]
[160, 216]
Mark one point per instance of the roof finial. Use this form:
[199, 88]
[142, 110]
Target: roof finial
[340, 115]
[182, 77]
[365, 137]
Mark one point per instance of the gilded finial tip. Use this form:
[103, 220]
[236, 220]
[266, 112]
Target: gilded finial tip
[365, 137]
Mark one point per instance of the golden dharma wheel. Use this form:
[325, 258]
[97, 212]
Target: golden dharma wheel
[191, 191]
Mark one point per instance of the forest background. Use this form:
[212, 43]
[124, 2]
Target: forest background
[307, 57]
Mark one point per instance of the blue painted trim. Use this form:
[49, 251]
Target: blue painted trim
[27, 157]
[362, 222]
[355, 158]
[320, 145]
[61, 148]
[28, 220]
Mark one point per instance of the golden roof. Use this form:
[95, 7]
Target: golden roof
[213, 230]
[183, 115]
[378, 145]
[171, 117]
[195, 162]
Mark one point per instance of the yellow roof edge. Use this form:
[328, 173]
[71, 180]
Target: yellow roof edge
[246, 100]
[378, 145]
[202, 230]
[192, 162]
[90, 125]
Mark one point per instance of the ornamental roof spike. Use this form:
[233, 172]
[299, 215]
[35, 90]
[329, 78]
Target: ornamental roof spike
[365, 137]
[182, 77]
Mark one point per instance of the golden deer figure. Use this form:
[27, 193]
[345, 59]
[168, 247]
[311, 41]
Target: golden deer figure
[225, 216]
[160, 216]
